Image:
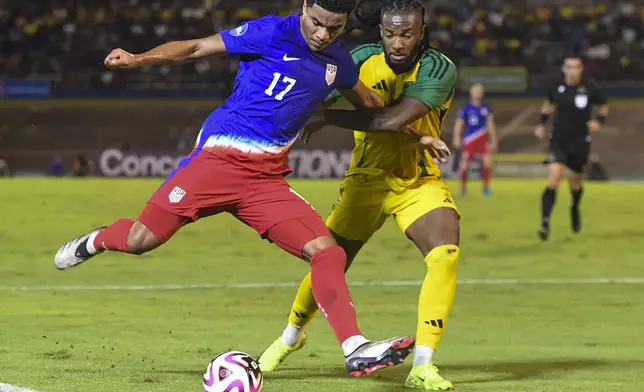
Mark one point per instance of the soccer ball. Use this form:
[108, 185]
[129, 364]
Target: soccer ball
[233, 371]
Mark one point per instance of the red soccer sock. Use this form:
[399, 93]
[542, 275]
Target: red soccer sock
[487, 174]
[114, 237]
[332, 293]
[464, 179]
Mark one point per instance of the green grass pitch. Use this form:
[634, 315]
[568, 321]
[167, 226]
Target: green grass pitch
[534, 337]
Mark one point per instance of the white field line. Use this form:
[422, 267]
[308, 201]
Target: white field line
[13, 388]
[268, 285]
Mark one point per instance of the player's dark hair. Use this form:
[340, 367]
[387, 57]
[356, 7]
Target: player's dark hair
[574, 56]
[367, 14]
[335, 6]
[403, 7]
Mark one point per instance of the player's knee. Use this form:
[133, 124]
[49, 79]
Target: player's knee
[445, 256]
[553, 181]
[325, 250]
[575, 180]
[141, 240]
[463, 165]
[553, 184]
[319, 244]
[332, 257]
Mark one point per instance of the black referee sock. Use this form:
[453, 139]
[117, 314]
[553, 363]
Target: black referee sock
[576, 198]
[547, 202]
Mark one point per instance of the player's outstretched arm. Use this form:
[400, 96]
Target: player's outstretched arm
[361, 96]
[394, 118]
[175, 52]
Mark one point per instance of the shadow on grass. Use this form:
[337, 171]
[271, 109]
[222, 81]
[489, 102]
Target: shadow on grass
[487, 372]
[490, 371]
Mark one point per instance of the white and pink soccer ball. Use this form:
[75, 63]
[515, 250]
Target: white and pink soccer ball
[233, 371]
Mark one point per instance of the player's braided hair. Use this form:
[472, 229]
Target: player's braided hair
[403, 7]
[369, 13]
[336, 6]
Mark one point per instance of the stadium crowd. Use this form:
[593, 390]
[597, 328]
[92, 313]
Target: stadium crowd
[66, 40]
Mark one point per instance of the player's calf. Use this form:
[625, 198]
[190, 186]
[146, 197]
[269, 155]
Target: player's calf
[437, 236]
[549, 198]
[141, 240]
[154, 227]
[576, 190]
[310, 239]
[124, 235]
[487, 174]
[463, 177]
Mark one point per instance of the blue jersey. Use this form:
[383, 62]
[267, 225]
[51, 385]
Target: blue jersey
[280, 83]
[475, 118]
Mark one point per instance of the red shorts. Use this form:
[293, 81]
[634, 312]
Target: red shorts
[477, 146]
[205, 184]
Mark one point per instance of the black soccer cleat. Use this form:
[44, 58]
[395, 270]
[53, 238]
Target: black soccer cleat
[575, 220]
[370, 357]
[544, 233]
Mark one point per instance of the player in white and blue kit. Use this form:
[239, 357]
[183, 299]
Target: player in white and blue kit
[288, 66]
[475, 135]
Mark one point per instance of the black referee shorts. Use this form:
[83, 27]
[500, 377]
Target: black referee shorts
[573, 158]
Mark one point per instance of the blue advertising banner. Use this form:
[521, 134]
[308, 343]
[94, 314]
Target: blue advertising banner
[25, 89]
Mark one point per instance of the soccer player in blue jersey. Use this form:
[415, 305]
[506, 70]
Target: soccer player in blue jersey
[477, 120]
[289, 65]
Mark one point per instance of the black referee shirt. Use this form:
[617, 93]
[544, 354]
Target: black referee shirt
[574, 109]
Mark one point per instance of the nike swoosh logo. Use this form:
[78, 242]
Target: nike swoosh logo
[286, 58]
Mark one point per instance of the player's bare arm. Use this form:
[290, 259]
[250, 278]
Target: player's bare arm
[493, 140]
[457, 138]
[547, 109]
[175, 52]
[361, 96]
[394, 118]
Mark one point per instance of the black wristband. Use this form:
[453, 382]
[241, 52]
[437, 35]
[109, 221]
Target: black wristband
[543, 118]
[601, 118]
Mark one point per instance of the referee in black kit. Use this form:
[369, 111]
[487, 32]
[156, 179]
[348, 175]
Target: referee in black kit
[569, 138]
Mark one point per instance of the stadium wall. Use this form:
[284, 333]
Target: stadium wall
[141, 137]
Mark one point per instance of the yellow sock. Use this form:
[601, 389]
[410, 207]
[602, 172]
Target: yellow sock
[304, 306]
[437, 294]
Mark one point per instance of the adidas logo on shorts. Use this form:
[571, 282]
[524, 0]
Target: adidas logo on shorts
[176, 195]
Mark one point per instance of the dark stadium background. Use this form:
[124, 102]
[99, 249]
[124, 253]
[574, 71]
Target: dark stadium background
[51, 54]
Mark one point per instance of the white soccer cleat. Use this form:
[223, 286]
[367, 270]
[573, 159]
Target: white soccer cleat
[75, 251]
[370, 357]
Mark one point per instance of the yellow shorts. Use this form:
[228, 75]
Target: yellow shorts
[364, 204]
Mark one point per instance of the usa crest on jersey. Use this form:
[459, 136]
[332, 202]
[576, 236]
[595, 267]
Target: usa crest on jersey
[176, 195]
[331, 71]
